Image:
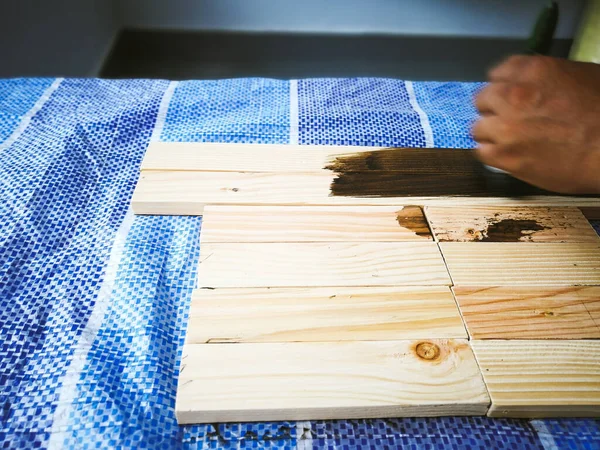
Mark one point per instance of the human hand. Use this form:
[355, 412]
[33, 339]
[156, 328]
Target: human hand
[541, 123]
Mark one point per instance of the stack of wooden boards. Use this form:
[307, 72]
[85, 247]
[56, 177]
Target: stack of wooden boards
[317, 312]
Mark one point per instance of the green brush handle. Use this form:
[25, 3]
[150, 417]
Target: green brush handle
[540, 40]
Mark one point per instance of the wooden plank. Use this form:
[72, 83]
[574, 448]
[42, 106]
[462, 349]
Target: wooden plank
[524, 312]
[592, 305]
[541, 378]
[186, 193]
[321, 265]
[505, 224]
[323, 314]
[219, 157]
[328, 380]
[517, 264]
[314, 224]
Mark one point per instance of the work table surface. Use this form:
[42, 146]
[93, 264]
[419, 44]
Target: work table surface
[94, 300]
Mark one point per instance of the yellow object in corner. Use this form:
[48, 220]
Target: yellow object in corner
[586, 46]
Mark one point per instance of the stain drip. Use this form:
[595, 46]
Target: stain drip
[413, 219]
[511, 230]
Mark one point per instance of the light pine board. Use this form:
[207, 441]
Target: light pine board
[593, 307]
[541, 378]
[529, 312]
[505, 224]
[331, 380]
[512, 264]
[187, 193]
[323, 314]
[314, 224]
[321, 265]
[218, 157]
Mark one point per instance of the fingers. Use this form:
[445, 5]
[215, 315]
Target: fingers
[492, 98]
[498, 156]
[493, 129]
[497, 141]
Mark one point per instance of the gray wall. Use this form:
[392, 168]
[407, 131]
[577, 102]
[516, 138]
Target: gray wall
[491, 18]
[55, 37]
[72, 37]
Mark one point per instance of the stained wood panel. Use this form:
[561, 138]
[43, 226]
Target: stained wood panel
[323, 314]
[321, 265]
[183, 178]
[505, 224]
[314, 224]
[558, 378]
[518, 264]
[301, 381]
[529, 312]
[591, 212]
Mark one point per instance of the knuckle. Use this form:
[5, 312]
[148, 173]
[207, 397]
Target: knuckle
[537, 66]
[505, 129]
[521, 96]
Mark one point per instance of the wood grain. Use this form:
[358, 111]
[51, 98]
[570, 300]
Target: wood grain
[592, 305]
[321, 265]
[518, 264]
[323, 314]
[187, 193]
[314, 224]
[534, 379]
[331, 380]
[504, 224]
[218, 157]
[525, 312]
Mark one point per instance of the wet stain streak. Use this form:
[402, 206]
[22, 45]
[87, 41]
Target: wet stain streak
[419, 172]
[413, 219]
[511, 230]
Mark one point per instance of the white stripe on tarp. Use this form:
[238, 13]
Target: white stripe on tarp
[422, 114]
[68, 390]
[544, 434]
[294, 112]
[29, 114]
[161, 117]
[303, 438]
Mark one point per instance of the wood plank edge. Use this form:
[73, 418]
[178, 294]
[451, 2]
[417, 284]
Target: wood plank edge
[435, 410]
[497, 410]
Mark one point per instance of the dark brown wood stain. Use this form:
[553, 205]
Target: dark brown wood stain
[511, 230]
[412, 218]
[420, 172]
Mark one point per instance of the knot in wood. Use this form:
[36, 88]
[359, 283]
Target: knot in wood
[428, 351]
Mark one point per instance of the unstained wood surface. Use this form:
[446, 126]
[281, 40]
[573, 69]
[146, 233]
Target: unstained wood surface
[323, 314]
[321, 264]
[505, 224]
[314, 224]
[528, 378]
[219, 157]
[330, 380]
[525, 312]
[511, 264]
